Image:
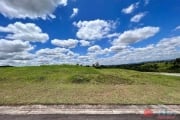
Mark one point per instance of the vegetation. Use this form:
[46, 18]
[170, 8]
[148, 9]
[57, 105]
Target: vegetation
[67, 84]
[172, 66]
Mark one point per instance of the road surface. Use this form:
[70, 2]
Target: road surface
[169, 74]
[86, 117]
[90, 112]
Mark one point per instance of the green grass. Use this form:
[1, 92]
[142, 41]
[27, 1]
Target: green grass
[85, 85]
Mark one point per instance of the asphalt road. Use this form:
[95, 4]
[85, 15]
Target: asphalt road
[87, 117]
[169, 74]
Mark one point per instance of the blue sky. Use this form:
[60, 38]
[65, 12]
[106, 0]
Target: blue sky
[36, 32]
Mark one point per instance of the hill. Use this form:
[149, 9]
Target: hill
[66, 84]
[172, 66]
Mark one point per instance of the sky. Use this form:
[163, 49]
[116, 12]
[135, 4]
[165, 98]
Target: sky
[111, 32]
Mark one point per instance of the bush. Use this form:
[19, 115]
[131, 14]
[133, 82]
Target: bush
[41, 78]
[3, 78]
[79, 79]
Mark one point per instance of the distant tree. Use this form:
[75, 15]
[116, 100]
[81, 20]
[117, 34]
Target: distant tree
[93, 65]
[177, 61]
[97, 64]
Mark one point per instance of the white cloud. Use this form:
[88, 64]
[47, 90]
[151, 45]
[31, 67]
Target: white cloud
[30, 8]
[94, 48]
[75, 12]
[177, 28]
[56, 56]
[55, 51]
[8, 46]
[130, 8]
[94, 30]
[85, 59]
[24, 31]
[18, 59]
[137, 17]
[70, 43]
[15, 52]
[84, 43]
[146, 2]
[22, 56]
[113, 35]
[117, 48]
[169, 42]
[136, 35]
[166, 48]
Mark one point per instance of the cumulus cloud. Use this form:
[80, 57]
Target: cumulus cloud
[136, 35]
[40, 57]
[24, 31]
[84, 43]
[15, 52]
[130, 8]
[70, 43]
[166, 48]
[117, 48]
[94, 48]
[8, 46]
[177, 28]
[20, 60]
[75, 12]
[30, 8]
[137, 17]
[94, 30]
[55, 51]
[56, 56]
[23, 56]
[169, 42]
[113, 35]
[86, 60]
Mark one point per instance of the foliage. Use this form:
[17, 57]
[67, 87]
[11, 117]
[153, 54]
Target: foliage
[155, 66]
[79, 79]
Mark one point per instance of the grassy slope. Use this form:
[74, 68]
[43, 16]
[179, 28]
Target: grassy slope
[82, 85]
[171, 66]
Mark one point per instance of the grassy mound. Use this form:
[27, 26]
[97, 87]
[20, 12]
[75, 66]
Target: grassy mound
[67, 84]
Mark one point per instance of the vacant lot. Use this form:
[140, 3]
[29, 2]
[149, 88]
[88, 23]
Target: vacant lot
[85, 85]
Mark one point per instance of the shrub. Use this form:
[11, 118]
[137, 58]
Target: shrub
[41, 78]
[79, 79]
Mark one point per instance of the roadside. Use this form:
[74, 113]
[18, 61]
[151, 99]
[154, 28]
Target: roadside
[90, 112]
[87, 117]
[89, 109]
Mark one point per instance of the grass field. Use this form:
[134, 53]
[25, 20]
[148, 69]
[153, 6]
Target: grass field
[67, 84]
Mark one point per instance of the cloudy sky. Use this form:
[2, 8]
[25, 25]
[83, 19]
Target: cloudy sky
[35, 32]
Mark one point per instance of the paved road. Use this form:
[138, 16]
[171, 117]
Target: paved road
[87, 117]
[90, 112]
[169, 74]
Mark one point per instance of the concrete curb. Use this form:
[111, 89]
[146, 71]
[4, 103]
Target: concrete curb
[88, 109]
